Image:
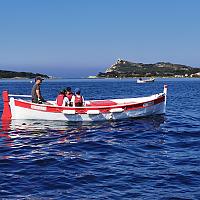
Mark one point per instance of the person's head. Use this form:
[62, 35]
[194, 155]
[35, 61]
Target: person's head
[77, 91]
[39, 79]
[62, 91]
[68, 90]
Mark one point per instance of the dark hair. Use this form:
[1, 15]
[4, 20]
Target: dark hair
[38, 78]
[62, 91]
[68, 89]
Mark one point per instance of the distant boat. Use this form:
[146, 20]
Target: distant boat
[140, 80]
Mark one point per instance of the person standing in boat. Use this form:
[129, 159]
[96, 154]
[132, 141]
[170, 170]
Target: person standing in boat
[69, 94]
[36, 92]
[77, 99]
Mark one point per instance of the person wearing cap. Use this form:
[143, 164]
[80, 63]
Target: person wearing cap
[61, 99]
[36, 92]
[77, 99]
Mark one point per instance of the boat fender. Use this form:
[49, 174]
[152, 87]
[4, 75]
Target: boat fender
[69, 112]
[147, 104]
[93, 112]
[110, 116]
[116, 110]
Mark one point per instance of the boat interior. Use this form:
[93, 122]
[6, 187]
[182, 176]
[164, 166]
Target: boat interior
[110, 102]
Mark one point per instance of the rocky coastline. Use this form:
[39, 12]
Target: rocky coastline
[4, 74]
[127, 69]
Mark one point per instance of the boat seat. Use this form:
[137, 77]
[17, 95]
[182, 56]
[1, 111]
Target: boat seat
[101, 103]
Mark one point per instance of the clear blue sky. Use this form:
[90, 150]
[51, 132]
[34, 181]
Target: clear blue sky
[76, 38]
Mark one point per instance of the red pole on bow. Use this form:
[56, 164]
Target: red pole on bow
[6, 115]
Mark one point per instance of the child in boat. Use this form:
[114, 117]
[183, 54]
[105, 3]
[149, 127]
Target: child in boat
[61, 99]
[77, 99]
[69, 94]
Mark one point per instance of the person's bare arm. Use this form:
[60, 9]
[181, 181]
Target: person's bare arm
[38, 93]
[73, 101]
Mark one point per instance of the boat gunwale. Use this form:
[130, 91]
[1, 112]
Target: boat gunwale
[118, 105]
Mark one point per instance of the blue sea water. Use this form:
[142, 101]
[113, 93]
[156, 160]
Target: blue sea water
[146, 158]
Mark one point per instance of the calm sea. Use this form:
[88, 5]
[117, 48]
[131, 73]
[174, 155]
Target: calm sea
[147, 158]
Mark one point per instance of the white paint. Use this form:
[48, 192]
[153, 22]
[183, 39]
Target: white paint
[19, 95]
[93, 112]
[116, 110]
[38, 112]
[24, 113]
[36, 107]
[69, 112]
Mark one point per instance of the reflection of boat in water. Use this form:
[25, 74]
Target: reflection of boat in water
[44, 126]
[95, 110]
[140, 80]
[42, 133]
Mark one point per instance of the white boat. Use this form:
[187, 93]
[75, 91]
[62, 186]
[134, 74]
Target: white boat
[94, 110]
[140, 80]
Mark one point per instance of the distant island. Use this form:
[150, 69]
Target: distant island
[20, 75]
[126, 69]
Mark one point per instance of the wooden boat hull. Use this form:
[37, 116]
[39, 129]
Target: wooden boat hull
[99, 110]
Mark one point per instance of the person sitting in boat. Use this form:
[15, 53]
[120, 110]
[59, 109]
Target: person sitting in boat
[69, 94]
[77, 99]
[61, 99]
[36, 92]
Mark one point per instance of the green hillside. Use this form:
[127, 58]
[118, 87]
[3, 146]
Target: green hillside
[124, 68]
[13, 74]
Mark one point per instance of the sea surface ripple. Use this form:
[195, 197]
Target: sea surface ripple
[146, 158]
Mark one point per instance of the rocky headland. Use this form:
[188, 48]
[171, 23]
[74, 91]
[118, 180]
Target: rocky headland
[20, 75]
[126, 69]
